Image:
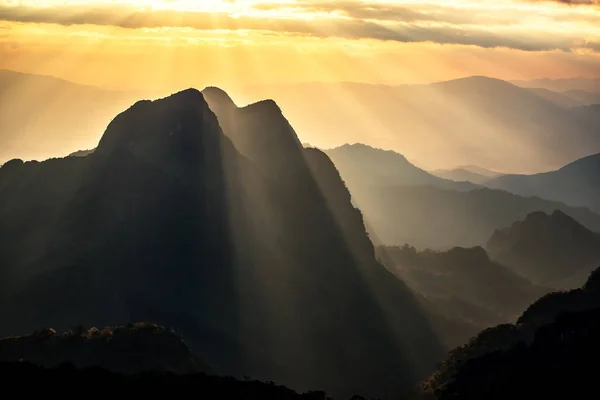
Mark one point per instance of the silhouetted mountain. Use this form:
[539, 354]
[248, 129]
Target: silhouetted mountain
[472, 174]
[214, 225]
[42, 116]
[127, 349]
[575, 184]
[429, 217]
[476, 120]
[553, 250]
[462, 285]
[550, 352]
[360, 164]
[98, 382]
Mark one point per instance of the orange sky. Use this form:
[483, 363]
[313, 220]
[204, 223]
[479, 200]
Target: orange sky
[169, 44]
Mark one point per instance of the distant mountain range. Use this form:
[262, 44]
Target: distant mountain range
[213, 219]
[405, 204]
[475, 121]
[552, 250]
[467, 173]
[589, 85]
[569, 98]
[360, 164]
[575, 184]
[43, 117]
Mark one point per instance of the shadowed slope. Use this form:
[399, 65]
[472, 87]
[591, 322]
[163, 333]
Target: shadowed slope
[306, 192]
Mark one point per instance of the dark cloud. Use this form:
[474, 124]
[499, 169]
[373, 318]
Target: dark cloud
[366, 22]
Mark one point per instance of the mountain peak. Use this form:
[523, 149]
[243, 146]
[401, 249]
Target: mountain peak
[215, 95]
[172, 129]
[361, 147]
[270, 107]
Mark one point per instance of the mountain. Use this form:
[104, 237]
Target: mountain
[462, 285]
[548, 353]
[569, 98]
[553, 250]
[429, 217]
[127, 349]
[360, 164]
[574, 184]
[82, 153]
[476, 121]
[471, 174]
[584, 97]
[42, 116]
[562, 85]
[560, 99]
[214, 220]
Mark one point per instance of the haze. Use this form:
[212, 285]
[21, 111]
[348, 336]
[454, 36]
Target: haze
[256, 49]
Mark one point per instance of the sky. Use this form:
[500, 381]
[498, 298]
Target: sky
[163, 44]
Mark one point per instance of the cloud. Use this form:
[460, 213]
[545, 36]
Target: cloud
[573, 2]
[359, 20]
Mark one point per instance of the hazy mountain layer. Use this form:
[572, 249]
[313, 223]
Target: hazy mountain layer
[462, 285]
[575, 184]
[553, 250]
[429, 217]
[360, 164]
[477, 121]
[563, 85]
[467, 173]
[43, 117]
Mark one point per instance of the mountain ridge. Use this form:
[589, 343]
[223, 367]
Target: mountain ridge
[573, 183]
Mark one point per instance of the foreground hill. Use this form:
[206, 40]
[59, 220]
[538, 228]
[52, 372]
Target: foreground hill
[462, 285]
[127, 349]
[549, 353]
[147, 384]
[575, 184]
[553, 250]
[218, 226]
